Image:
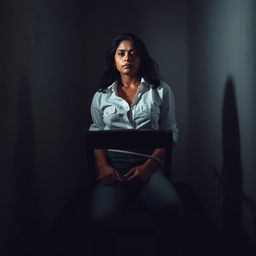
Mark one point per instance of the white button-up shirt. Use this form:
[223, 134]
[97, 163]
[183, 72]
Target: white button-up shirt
[152, 109]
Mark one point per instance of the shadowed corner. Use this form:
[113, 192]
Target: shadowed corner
[232, 171]
[23, 187]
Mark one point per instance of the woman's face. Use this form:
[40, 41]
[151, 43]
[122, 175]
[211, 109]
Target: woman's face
[127, 60]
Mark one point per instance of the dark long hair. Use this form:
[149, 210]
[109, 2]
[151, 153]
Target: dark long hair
[148, 67]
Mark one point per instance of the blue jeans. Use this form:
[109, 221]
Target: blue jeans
[157, 194]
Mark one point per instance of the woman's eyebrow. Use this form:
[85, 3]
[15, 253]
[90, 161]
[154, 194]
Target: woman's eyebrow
[123, 50]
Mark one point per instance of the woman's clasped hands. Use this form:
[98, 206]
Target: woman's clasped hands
[109, 175]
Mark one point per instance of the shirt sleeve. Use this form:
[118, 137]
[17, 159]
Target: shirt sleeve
[167, 115]
[96, 114]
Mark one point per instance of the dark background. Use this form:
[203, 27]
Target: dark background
[51, 58]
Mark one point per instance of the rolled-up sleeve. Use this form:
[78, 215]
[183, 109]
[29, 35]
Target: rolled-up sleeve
[167, 115]
[96, 114]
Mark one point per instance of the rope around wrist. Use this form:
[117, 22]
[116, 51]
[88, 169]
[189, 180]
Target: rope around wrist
[137, 154]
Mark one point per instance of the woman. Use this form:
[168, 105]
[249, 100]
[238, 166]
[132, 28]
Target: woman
[131, 96]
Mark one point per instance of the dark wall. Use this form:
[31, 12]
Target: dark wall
[222, 111]
[42, 110]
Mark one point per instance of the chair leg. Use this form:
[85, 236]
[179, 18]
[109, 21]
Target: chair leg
[102, 241]
[168, 238]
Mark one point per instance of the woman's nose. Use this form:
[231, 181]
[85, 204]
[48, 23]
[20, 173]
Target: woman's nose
[127, 56]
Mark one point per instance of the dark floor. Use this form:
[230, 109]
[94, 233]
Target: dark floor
[69, 234]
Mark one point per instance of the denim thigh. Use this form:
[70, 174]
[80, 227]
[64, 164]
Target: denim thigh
[159, 194]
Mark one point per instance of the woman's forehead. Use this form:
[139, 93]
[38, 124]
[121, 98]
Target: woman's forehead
[125, 44]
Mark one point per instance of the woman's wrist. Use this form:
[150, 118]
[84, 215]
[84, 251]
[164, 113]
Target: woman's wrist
[102, 166]
[151, 164]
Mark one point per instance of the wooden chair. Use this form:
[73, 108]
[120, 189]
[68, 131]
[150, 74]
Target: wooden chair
[119, 139]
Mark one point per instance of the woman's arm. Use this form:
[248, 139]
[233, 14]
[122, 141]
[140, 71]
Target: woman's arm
[167, 120]
[158, 153]
[100, 158]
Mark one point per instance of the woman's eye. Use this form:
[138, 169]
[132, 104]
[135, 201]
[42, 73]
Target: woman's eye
[121, 54]
[133, 53]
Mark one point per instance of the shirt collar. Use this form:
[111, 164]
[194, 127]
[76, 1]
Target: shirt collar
[112, 87]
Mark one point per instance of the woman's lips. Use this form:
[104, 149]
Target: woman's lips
[127, 66]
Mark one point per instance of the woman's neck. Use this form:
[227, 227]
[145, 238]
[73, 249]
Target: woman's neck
[129, 82]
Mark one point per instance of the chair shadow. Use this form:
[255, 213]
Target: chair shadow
[232, 173]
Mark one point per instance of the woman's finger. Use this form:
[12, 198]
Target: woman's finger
[130, 172]
[132, 177]
[105, 180]
[112, 178]
[117, 176]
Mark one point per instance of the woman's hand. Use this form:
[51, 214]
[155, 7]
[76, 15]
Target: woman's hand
[109, 175]
[143, 172]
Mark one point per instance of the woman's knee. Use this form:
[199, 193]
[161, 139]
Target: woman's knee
[167, 205]
[105, 204]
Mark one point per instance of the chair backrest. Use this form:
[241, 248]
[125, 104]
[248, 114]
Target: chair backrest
[119, 139]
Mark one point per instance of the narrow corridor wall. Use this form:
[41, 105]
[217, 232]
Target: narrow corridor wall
[222, 109]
